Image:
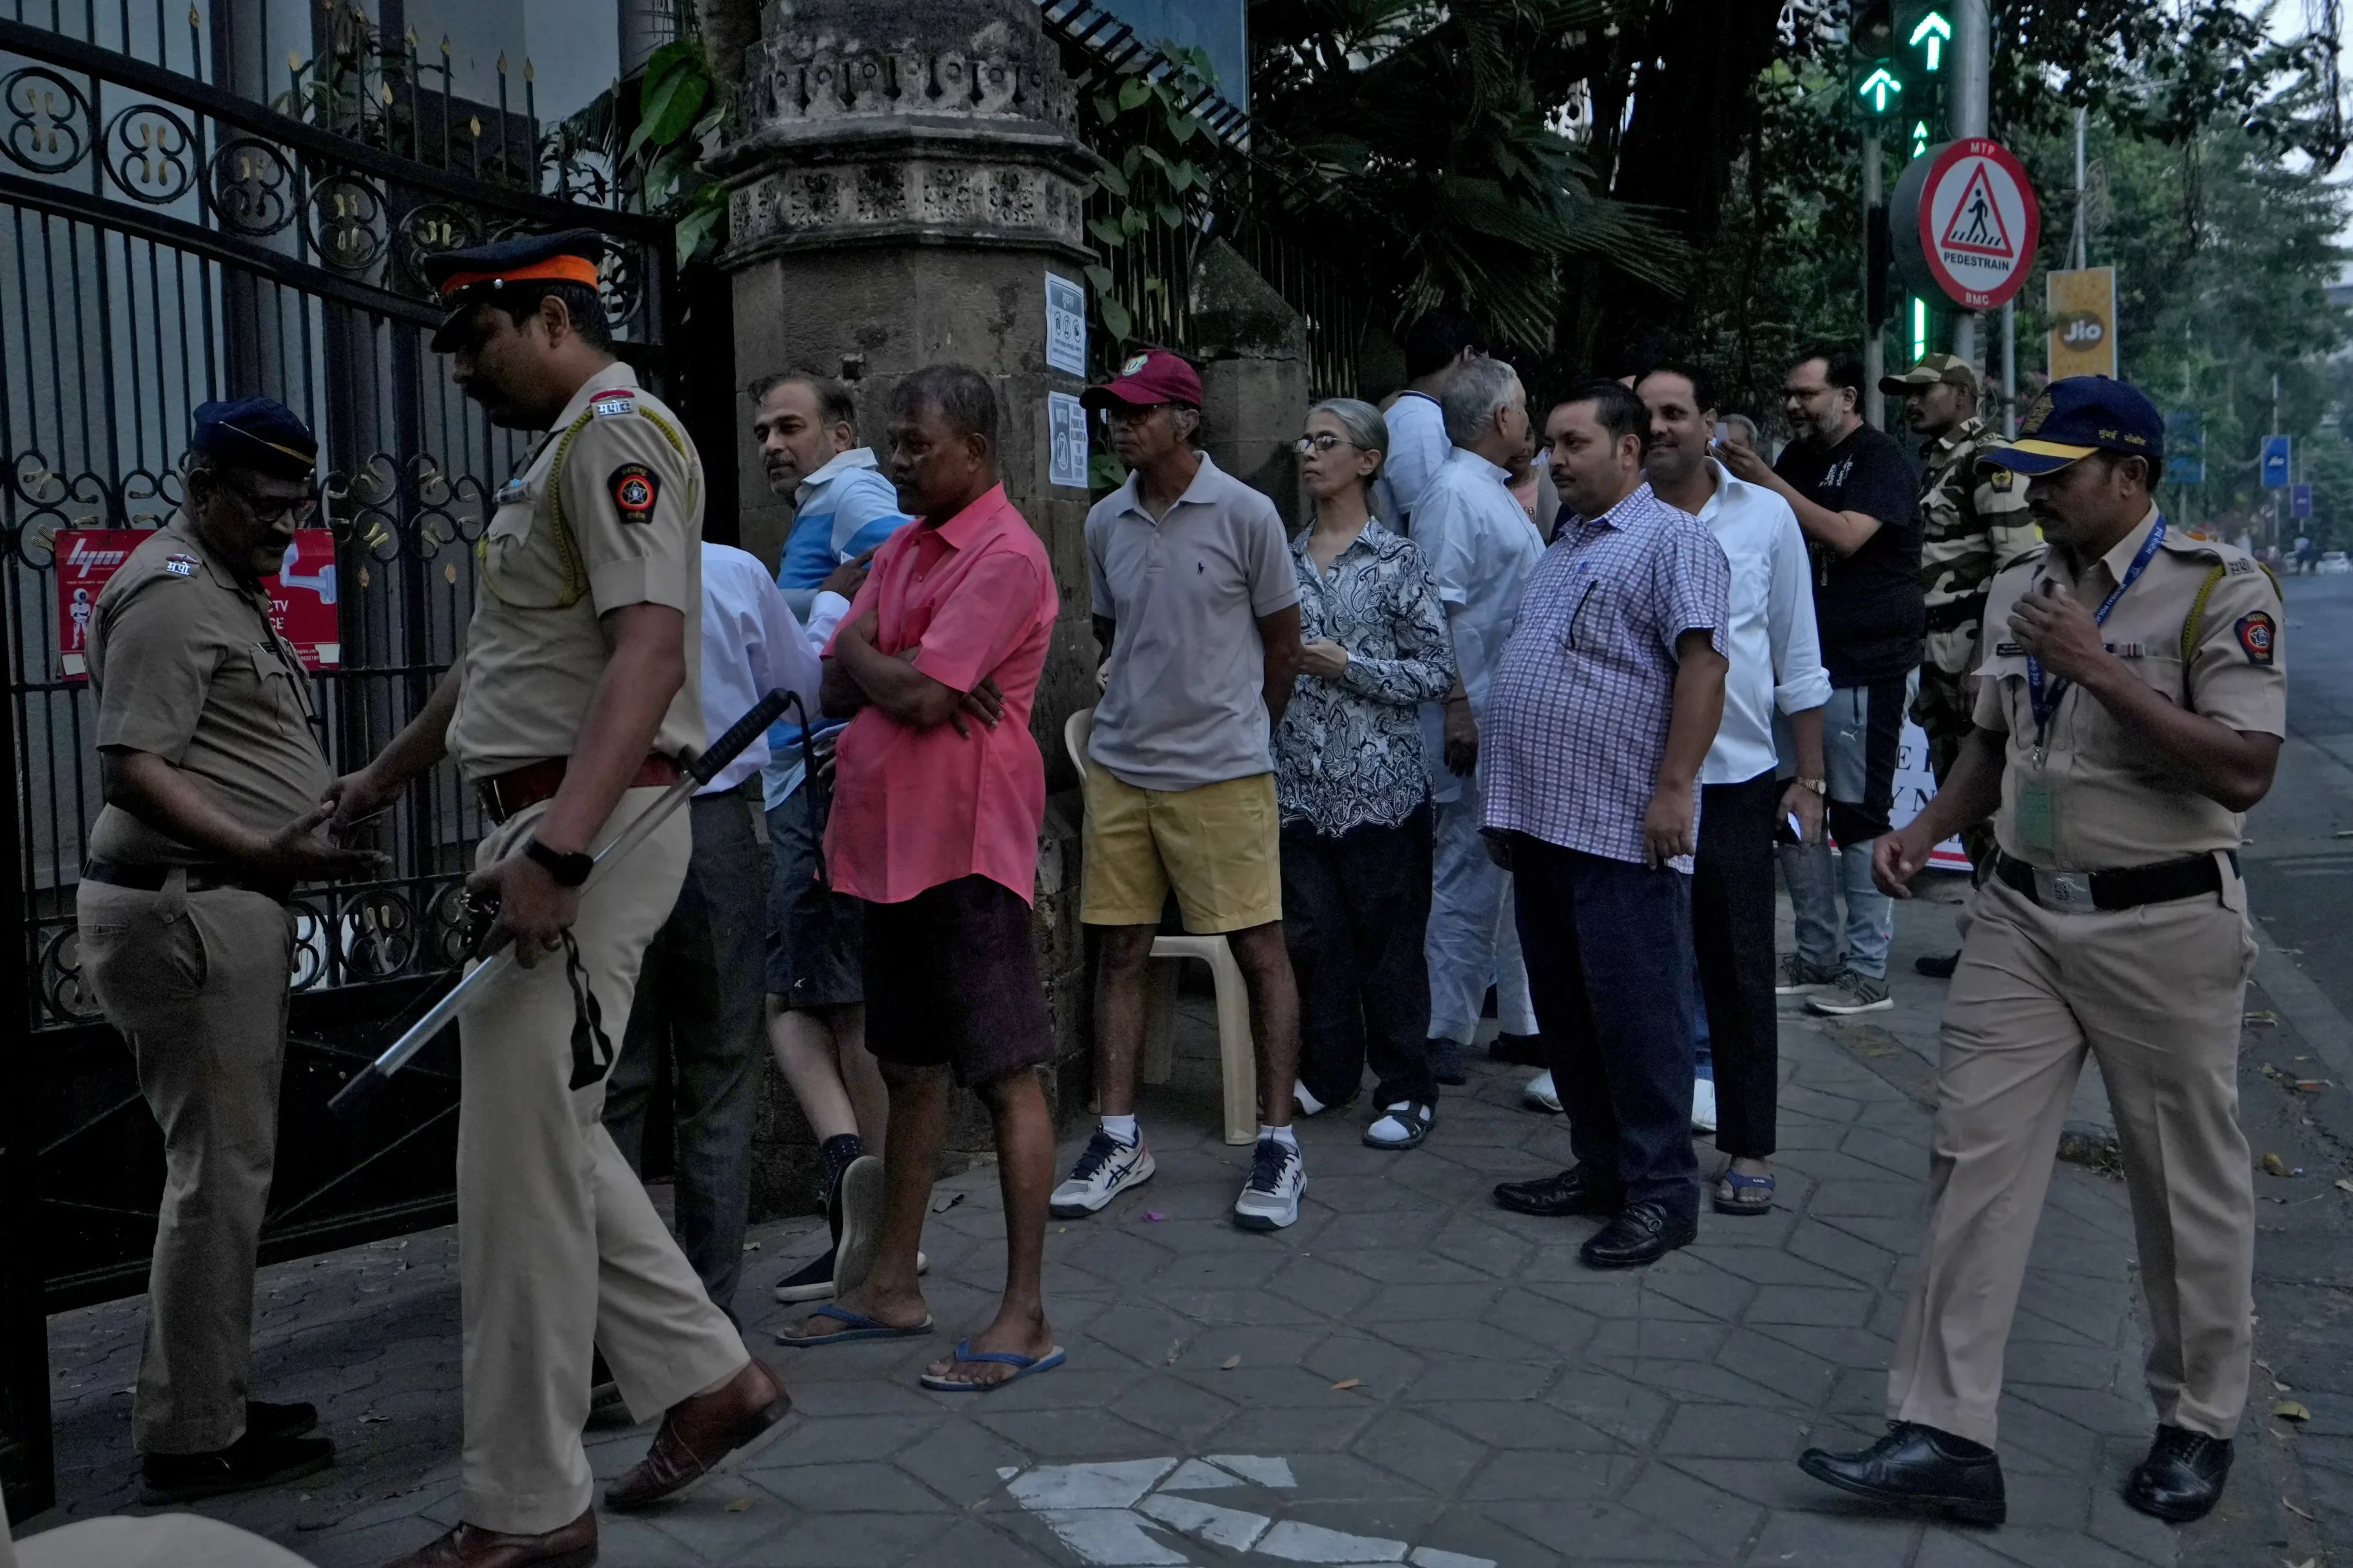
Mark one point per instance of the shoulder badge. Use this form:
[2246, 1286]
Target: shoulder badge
[2240, 565]
[1999, 480]
[634, 488]
[2256, 635]
[607, 404]
[180, 565]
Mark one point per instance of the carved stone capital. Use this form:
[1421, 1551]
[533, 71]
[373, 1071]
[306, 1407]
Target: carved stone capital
[875, 121]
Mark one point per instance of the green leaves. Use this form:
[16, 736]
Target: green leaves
[1144, 180]
[669, 96]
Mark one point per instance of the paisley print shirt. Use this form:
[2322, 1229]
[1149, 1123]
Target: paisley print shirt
[1349, 752]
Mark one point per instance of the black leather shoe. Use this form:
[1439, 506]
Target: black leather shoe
[2182, 1477]
[251, 1461]
[1642, 1233]
[263, 1419]
[1446, 1063]
[1937, 965]
[1519, 1051]
[1913, 1465]
[1570, 1193]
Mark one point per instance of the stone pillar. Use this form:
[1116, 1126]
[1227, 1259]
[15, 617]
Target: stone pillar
[902, 178]
[1251, 350]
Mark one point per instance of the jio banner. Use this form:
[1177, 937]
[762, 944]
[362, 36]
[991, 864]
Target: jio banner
[302, 591]
[2082, 310]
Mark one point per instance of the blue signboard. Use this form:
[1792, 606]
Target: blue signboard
[2299, 501]
[2275, 458]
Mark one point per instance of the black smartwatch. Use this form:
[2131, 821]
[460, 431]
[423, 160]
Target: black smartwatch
[568, 871]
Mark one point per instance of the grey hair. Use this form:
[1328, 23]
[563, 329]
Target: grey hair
[1361, 424]
[1472, 400]
[957, 393]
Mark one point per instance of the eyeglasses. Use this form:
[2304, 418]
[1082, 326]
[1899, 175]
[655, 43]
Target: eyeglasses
[301, 509]
[1322, 441]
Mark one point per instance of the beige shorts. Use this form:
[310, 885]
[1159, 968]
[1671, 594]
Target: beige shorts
[1219, 845]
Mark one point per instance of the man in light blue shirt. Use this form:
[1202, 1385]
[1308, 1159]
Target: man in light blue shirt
[1481, 548]
[844, 506]
[698, 997]
[1438, 347]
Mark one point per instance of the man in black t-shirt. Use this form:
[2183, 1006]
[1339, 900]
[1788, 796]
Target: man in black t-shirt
[1853, 491]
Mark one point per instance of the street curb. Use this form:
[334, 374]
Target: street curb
[2307, 1008]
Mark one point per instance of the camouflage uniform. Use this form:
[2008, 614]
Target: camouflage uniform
[1976, 526]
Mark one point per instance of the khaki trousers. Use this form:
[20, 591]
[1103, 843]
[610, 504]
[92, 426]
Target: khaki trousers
[2155, 994]
[559, 1250]
[197, 984]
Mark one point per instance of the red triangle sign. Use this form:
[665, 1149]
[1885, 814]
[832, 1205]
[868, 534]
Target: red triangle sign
[1977, 226]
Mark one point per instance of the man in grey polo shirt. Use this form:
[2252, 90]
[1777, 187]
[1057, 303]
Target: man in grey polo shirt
[1196, 605]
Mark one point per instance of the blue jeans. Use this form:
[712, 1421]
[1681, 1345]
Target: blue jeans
[1609, 946]
[1862, 728]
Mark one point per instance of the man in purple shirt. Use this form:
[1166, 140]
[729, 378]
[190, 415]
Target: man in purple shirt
[1599, 716]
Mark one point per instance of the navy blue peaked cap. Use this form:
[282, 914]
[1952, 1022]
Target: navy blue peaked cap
[257, 433]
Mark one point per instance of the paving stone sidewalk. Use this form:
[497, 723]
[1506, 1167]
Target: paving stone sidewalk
[1410, 1374]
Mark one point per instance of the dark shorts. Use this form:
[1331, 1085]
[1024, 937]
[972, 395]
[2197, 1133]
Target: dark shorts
[950, 981]
[816, 937]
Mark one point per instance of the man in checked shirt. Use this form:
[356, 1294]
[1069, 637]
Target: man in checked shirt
[1602, 710]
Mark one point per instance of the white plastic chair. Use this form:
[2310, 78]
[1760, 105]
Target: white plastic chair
[1238, 1063]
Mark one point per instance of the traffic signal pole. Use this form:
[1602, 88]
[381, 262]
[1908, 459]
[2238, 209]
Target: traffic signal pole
[1972, 81]
[1874, 342]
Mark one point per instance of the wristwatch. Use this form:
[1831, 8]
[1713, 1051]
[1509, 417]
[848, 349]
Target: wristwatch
[568, 871]
[1818, 786]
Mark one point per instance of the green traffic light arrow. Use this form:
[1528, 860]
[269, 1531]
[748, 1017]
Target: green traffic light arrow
[1878, 87]
[1936, 32]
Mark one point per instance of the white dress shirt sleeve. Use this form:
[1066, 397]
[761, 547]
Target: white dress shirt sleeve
[826, 612]
[1799, 681]
[784, 655]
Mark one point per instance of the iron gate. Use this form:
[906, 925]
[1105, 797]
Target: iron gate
[165, 239]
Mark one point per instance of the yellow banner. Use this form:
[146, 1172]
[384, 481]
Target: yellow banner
[2082, 310]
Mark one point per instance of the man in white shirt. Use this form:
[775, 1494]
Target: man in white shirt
[1481, 549]
[1441, 344]
[698, 999]
[1776, 661]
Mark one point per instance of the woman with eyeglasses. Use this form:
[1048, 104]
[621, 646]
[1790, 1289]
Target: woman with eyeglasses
[1353, 790]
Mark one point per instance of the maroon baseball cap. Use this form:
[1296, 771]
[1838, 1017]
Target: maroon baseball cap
[1150, 376]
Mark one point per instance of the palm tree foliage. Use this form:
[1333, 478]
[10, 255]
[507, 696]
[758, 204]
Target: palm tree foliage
[1426, 147]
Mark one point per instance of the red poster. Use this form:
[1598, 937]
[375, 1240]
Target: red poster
[301, 594]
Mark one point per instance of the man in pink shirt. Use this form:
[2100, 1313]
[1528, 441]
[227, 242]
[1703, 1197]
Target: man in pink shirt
[934, 827]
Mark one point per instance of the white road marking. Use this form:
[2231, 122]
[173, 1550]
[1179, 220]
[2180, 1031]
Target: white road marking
[1108, 1514]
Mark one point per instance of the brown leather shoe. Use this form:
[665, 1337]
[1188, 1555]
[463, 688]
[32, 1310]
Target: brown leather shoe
[698, 1433]
[470, 1546]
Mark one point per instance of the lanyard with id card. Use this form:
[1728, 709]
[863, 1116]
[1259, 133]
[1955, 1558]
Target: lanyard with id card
[2031, 813]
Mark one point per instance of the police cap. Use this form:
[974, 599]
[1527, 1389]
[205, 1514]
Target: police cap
[259, 433]
[2078, 417]
[479, 274]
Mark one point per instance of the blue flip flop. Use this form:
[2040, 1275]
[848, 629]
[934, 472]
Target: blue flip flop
[861, 1327]
[1750, 1194]
[1023, 1364]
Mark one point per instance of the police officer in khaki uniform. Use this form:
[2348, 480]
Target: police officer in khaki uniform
[213, 778]
[576, 693]
[1974, 526]
[2129, 711]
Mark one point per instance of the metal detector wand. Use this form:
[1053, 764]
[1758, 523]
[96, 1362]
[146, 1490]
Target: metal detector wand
[353, 1100]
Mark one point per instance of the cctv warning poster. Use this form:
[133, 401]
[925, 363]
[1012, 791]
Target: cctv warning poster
[302, 591]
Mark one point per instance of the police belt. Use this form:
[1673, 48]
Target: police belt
[2084, 892]
[201, 878]
[526, 786]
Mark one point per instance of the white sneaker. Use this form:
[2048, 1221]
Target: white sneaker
[1702, 1105]
[1107, 1169]
[1540, 1094]
[1270, 1200]
[1303, 1101]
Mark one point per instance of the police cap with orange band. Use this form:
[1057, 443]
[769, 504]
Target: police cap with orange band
[484, 274]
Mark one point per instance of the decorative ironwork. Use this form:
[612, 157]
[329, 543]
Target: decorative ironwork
[347, 223]
[251, 186]
[152, 158]
[63, 989]
[46, 114]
